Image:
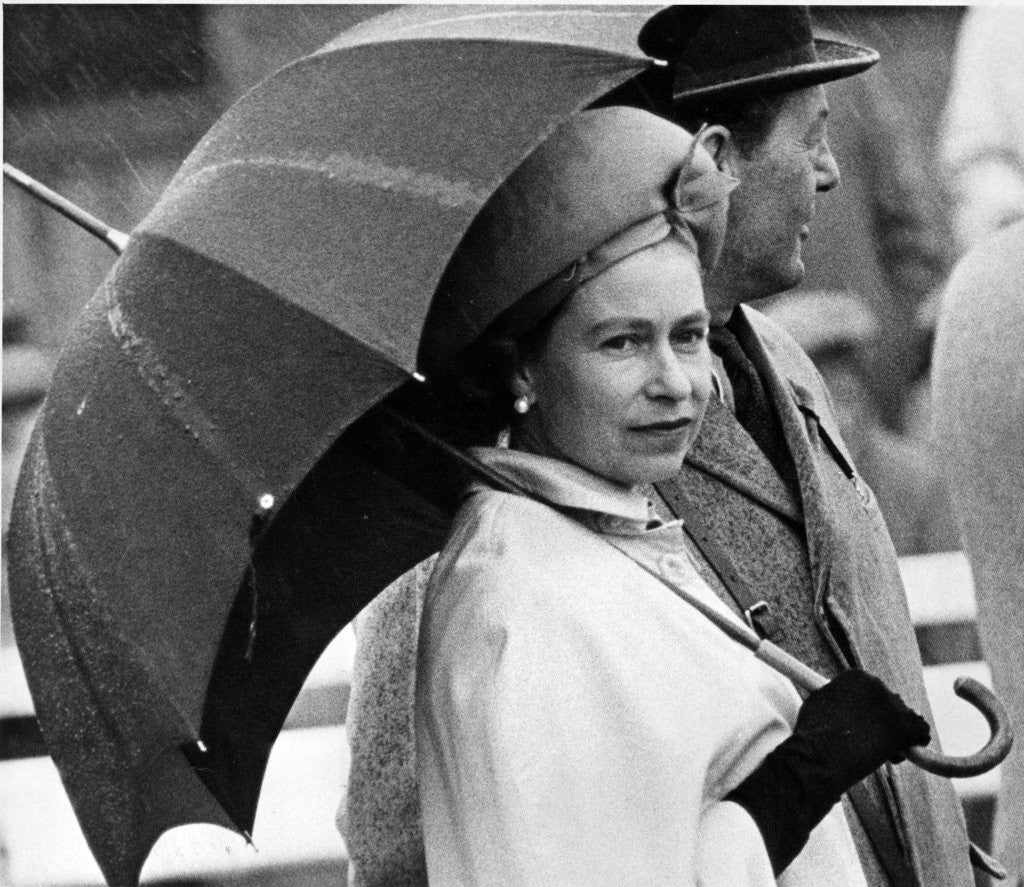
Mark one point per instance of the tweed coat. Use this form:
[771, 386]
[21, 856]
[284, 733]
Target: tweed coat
[859, 604]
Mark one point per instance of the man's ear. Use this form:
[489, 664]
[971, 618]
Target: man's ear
[718, 142]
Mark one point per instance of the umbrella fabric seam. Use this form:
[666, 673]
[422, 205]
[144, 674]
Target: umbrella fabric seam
[363, 171]
[44, 532]
[171, 389]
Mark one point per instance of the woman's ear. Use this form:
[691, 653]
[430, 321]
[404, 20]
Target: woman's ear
[521, 381]
[718, 142]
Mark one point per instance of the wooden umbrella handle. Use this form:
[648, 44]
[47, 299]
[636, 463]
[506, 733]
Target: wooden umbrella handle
[994, 751]
[992, 754]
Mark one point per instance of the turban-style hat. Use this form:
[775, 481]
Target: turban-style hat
[603, 186]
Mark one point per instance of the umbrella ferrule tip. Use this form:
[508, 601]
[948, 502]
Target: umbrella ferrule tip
[419, 377]
[266, 502]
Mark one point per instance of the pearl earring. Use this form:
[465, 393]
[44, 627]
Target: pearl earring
[521, 405]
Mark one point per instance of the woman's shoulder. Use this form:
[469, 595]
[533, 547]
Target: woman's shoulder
[509, 526]
[507, 550]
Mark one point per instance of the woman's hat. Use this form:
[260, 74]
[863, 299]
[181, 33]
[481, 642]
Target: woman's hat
[731, 53]
[606, 184]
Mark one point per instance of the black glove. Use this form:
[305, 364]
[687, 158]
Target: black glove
[845, 731]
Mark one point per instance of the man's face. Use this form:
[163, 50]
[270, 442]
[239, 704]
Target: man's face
[771, 210]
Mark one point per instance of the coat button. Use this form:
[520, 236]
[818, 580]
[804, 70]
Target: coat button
[676, 567]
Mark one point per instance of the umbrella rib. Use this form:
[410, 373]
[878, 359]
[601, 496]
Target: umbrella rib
[173, 393]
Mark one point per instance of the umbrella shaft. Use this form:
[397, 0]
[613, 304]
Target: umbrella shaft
[116, 240]
[802, 675]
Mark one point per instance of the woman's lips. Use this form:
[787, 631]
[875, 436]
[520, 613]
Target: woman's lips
[671, 426]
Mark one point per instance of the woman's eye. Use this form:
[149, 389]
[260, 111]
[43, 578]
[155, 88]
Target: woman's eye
[691, 338]
[619, 343]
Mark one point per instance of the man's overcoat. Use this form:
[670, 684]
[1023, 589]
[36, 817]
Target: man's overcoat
[859, 605]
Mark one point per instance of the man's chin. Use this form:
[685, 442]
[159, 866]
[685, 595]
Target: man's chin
[761, 282]
[787, 277]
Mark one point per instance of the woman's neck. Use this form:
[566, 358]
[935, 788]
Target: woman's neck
[528, 436]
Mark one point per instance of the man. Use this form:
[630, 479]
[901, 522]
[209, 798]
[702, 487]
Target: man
[773, 501]
[777, 508]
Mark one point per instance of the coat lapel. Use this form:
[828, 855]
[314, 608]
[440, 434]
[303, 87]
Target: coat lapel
[801, 421]
[725, 451]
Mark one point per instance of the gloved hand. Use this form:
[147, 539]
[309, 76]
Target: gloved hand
[844, 731]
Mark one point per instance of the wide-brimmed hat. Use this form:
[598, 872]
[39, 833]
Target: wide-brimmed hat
[729, 53]
[608, 183]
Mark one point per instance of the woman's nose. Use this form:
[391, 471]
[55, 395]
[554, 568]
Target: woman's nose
[670, 376]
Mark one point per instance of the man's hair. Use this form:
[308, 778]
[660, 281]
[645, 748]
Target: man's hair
[750, 120]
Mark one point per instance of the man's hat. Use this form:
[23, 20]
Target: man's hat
[729, 53]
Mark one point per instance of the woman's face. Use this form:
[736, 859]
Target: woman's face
[620, 384]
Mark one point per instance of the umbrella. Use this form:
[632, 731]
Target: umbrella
[213, 488]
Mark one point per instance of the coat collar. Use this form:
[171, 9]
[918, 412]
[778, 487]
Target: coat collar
[610, 507]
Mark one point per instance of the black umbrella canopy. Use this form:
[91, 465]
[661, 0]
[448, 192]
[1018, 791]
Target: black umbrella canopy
[213, 491]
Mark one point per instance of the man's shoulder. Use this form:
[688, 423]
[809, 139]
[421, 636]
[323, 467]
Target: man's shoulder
[788, 358]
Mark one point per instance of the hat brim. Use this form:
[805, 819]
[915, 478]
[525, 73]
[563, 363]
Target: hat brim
[835, 61]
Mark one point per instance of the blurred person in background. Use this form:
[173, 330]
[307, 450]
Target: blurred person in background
[837, 330]
[982, 142]
[979, 427]
[978, 378]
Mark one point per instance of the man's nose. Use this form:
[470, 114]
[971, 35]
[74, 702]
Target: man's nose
[826, 170]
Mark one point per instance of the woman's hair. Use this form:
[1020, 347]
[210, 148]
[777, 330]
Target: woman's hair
[480, 382]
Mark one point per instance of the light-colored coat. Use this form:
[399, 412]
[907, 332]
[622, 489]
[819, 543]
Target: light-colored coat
[576, 722]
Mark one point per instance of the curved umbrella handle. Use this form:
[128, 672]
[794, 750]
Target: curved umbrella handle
[994, 751]
[984, 700]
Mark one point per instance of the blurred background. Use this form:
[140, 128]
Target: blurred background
[103, 102]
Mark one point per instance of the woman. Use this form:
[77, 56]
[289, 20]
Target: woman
[576, 722]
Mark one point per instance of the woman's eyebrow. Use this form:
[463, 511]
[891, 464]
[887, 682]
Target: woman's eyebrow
[628, 322]
[702, 316]
[619, 322]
